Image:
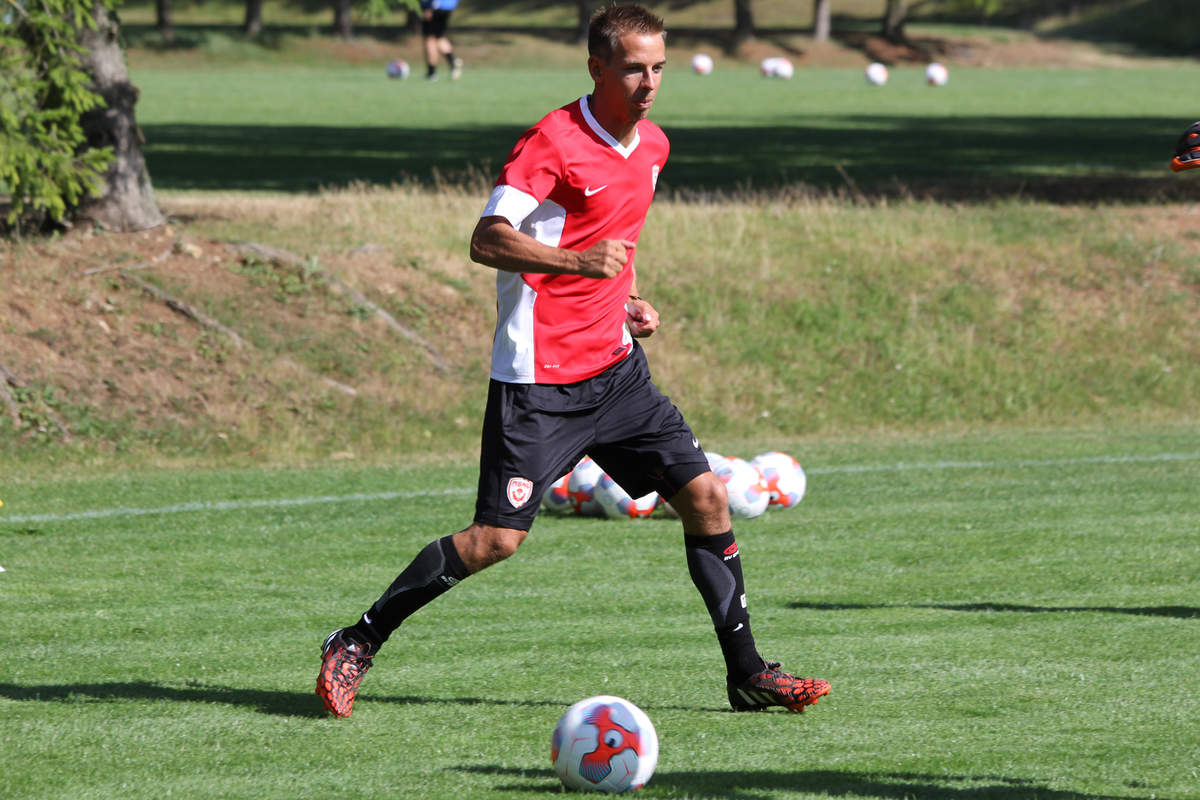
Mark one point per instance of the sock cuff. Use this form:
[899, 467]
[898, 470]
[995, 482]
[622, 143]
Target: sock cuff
[718, 543]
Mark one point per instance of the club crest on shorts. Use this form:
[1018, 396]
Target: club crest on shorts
[519, 491]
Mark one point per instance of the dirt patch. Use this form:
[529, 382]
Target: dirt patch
[168, 334]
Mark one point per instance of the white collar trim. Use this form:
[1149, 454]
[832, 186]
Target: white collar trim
[625, 152]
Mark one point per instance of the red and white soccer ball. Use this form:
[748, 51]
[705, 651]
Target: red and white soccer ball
[581, 487]
[665, 509]
[748, 493]
[777, 67]
[398, 69]
[702, 64]
[617, 504]
[785, 478]
[877, 74]
[604, 744]
[557, 498]
[936, 74]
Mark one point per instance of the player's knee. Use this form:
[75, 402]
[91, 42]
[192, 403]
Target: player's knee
[481, 546]
[503, 543]
[704, 505]
[709, 496]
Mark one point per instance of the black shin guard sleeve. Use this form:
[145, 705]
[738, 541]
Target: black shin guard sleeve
[716, 568]
[433, 572]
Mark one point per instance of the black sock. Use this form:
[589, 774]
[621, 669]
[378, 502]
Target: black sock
[716, 569]
[450, 59]
[430, 69]
[435, 569]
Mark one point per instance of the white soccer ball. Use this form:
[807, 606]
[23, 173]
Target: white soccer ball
[776, 67]
[398, 69]
[936, 74]
[877, 74]
[604, 744]
[665, 509]
[702, 63]
[581, 487]
[748, 493]
[617, 504]
[785, 478]
[557, 498]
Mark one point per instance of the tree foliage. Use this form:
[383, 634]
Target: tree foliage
[44, 91]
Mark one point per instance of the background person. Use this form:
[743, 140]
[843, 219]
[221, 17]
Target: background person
[435, 17]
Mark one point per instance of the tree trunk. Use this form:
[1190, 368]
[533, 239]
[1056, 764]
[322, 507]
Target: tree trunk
[165, 21]
[253, 25]
[126, 200]
[342, 25]
[821, 21]
[893, 20]
[743, 21]
[583, 20]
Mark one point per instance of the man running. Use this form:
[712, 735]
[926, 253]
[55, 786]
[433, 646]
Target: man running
[568, 376]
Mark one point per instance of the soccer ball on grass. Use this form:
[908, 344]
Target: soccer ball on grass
[398, 69]
[777, 67]
[748, 493]
[557, 498]
[877, 74]
[785, 479]
[702, 63]
[617, 504]
[605, 744]
[581, 487]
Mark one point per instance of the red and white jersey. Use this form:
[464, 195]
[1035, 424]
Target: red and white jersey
[568, 183]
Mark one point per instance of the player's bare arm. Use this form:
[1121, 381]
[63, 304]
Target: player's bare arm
[496, 243]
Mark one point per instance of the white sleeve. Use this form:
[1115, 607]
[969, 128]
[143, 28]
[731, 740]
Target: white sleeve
[510, 203]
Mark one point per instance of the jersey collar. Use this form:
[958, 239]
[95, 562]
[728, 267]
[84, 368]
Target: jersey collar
[607, 137]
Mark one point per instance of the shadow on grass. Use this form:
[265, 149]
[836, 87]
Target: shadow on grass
[960, 159]
[1179, 612]
[756, 784]
[277, 703]
[283, 704]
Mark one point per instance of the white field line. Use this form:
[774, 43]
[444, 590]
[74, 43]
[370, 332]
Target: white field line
[1052, 462]
[231, 505]
[290, 502]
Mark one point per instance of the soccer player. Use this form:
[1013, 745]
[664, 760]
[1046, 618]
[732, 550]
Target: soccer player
[568, 376]
[435, 18]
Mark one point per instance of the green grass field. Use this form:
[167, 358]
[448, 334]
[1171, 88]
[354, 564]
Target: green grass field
[989, 130]
[1011, 617]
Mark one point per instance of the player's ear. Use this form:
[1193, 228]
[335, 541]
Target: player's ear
[595, 67]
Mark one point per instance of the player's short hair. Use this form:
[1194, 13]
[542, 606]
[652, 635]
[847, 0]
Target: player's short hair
[610, 23]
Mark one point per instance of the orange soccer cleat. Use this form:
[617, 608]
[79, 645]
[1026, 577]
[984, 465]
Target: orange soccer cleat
[774, 687]
[344, 662]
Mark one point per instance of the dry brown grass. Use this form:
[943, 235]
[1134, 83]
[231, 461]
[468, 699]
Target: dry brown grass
[783, 316]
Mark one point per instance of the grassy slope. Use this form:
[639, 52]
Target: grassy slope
[781, 318]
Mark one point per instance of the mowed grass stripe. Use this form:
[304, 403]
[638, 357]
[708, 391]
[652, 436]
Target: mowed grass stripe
[284, 502]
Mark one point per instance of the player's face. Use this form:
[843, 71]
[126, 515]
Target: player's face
[628, 83]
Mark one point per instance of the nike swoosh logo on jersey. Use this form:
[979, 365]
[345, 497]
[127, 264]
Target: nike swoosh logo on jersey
[589, 191]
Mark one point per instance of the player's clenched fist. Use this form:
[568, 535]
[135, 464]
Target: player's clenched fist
[642, 319]
[605, 259]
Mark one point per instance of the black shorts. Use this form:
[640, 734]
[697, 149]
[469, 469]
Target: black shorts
[435, 26]
[533, 434]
